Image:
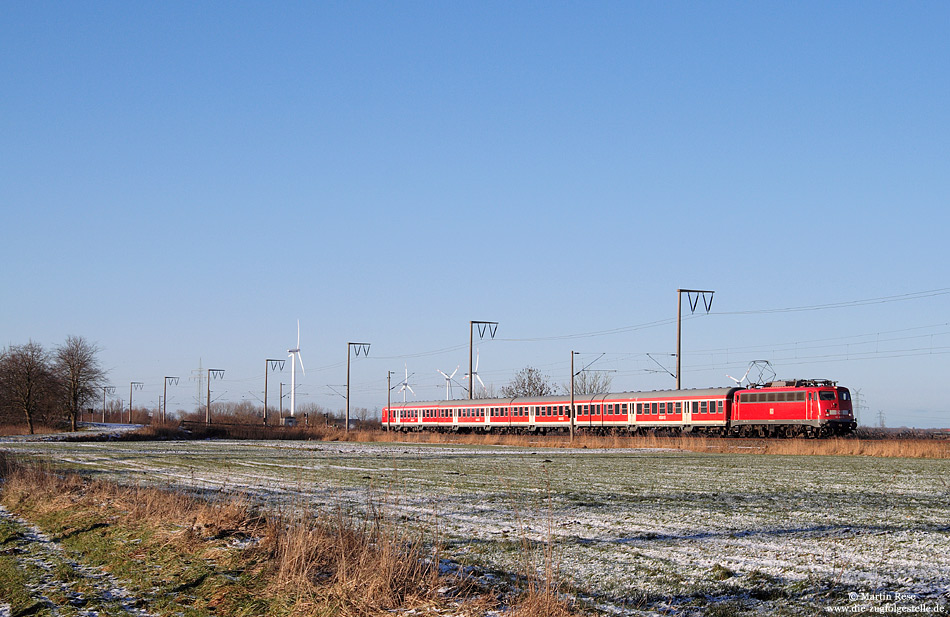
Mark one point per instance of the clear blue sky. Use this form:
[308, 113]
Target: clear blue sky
[183, 181]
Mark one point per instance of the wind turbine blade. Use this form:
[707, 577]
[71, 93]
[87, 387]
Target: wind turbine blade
[480, 380]
[408, 387]
[453, 372]
[443, 374]
[300, 358]
[475, 370]
[298, 334]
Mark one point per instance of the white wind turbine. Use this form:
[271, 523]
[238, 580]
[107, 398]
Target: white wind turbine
[448, 382]
[294, 358]
[475, 372]
[405, 386]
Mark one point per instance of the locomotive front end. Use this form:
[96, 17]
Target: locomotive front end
[836, 412]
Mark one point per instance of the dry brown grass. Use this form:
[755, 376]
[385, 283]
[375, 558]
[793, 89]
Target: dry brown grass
[8, 430]
[903, 448]
[365, 567]
[850, 446]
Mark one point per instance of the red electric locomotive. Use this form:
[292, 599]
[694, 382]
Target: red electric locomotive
[808, 407]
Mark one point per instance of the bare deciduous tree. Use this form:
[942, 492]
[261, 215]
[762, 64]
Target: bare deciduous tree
[77, 366]
[529, 382]
[486, 392]
[28, 382]
[591, 382]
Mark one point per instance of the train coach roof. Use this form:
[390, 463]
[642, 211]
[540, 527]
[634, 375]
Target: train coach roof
[578, 398]
[674, 394]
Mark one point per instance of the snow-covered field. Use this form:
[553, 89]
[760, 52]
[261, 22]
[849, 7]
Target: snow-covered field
[633, 531]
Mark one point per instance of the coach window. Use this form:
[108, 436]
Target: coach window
[624, 408]
[679, 407]
[653, 407]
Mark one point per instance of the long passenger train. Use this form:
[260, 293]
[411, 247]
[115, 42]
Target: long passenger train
[800, 407]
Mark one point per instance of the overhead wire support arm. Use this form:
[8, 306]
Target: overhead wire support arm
[270, 364]
[213, 373]
[174, 382]
[364, 347]
[491, 327]
[665, 370]
[693, 303]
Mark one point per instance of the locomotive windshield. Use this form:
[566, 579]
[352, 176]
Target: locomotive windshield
[825, 395]
[844, 394]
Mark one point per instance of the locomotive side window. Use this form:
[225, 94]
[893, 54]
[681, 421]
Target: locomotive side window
[824, 395]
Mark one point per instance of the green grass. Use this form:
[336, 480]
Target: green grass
[13, 578]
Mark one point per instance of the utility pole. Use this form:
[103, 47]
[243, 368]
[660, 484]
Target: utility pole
[272, 364]
[213, 373]
[364, 347]
[110, 390]
[679, 319]
[389, 398]
[573, 353]
[174, 381]
[483, 326]
[137, 385]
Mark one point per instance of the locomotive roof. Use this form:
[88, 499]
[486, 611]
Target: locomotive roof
[578, 398]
